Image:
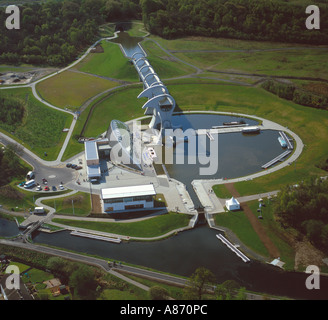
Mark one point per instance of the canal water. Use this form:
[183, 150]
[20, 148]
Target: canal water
[238, 154]
[183, 254]
[130, 44]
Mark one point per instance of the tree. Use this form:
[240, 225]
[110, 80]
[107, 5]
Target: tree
[198, 283]
[230, 290]
[84, 283]
[158, 293]
[59, 267]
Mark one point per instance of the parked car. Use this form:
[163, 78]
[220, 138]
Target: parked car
[61, 187]
[54, 188]
[73, 166]
[68, 165]
[38, 188]
[78, 168]
[46, 188]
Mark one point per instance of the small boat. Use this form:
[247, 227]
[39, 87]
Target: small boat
[233, 123]
[253, 129]
[282, 142]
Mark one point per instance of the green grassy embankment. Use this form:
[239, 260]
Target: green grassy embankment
[153, 227]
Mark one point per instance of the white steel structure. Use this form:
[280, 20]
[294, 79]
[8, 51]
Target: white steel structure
[160, 103]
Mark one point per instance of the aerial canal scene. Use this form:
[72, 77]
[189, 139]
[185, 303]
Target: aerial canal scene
[153, 150]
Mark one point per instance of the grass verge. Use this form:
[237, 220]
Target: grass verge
[153, 227]
[81, 88]
[78, 204]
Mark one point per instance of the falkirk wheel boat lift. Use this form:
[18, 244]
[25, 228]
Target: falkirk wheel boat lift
[160, 105]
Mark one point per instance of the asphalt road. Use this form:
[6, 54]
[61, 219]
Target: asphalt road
[54, 174]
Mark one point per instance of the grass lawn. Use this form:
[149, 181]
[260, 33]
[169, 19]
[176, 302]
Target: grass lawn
[221, 191]
[19, 68]
[71, 89]
[21, 266]
[152, 227]
[17, 199]
[175, 292]
[36, 276]
[164, 65]
[122, 105]
[239, 224]
[81, 204]
[298, 63]
[98, 115]
[41, 130]
[117, 294]
[111, 63]
[275, 233]
[204, 43]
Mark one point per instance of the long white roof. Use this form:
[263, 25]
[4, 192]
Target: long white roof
[91, 150]
[124, 192]
[93, 171]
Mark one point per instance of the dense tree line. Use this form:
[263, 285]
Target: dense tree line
[54, 32]
[241, 19]
[299, 96]
[202, 279]
[10, 165]
[305, 208]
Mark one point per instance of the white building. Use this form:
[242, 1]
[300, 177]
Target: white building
[232, 204]
[91, 153]
[92, 160]
[128, 198]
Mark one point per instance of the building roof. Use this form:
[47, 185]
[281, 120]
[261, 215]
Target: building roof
[125, 192]
[91, 150]
[93, 171]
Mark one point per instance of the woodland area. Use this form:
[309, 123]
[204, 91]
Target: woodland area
[265, 20]
[299, 96]
[10, 165]
[304, 207]
[55, 32]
